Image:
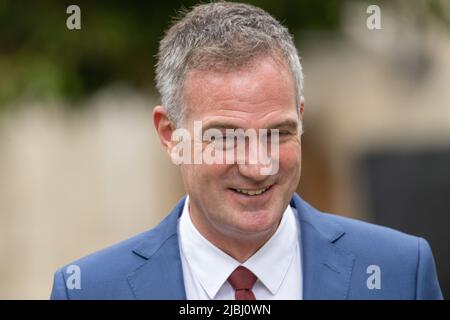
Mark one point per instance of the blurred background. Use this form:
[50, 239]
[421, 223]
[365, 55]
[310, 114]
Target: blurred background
[81, 167]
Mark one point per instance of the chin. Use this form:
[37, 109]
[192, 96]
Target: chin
[258, 222]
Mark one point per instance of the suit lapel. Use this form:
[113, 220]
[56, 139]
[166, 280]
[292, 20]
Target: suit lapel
[160, 277]
[326, 267]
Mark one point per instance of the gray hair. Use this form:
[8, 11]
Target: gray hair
[219, 36]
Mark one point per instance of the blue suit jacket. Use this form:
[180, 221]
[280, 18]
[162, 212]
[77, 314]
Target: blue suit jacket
[336, 254]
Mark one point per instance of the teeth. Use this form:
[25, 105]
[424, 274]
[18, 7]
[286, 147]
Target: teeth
[251, 192]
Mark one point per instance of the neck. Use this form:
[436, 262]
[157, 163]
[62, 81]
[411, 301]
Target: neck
[241, 250]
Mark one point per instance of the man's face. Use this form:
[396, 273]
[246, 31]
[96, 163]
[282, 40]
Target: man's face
[260, 96]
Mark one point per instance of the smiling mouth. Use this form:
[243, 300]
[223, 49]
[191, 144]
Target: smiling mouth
[252, 192]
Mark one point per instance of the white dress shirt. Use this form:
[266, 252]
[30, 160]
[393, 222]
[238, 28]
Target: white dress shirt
[206, 268]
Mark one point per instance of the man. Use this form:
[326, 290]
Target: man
[242, 232]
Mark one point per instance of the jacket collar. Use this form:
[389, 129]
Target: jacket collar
[326, 267]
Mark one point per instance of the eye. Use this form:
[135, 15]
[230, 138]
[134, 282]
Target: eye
[282, 135]
[279, 133]
[224, 141]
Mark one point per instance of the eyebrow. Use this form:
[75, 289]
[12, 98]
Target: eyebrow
[284, 124]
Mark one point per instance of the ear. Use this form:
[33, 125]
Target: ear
[164, 127]
[301, 107]
[301, 110]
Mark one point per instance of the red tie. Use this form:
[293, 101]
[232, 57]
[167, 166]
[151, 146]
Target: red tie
[242, 281]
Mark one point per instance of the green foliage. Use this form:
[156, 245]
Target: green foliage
[41, 59]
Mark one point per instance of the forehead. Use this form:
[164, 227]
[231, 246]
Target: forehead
[256, 95]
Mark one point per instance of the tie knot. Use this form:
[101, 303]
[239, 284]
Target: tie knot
[242, 279]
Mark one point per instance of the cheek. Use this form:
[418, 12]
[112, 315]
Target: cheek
[290, 156]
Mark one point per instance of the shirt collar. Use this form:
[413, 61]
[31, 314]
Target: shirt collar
[212, 267]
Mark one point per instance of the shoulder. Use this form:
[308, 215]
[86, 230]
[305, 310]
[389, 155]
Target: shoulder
[404, 262]
[359, 234]
[118, 255]
[356, 235]
[99, 274]
[104, 274]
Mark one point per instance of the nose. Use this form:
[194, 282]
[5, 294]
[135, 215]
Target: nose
[252, 171]
[251, 165]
